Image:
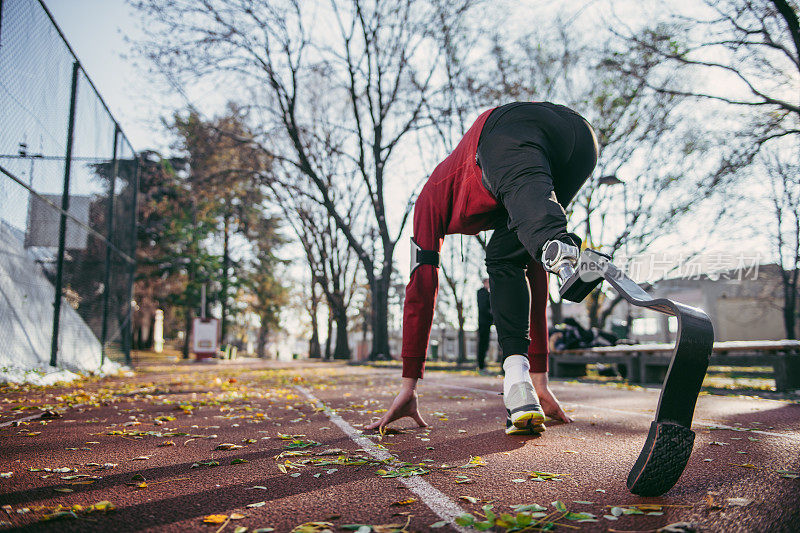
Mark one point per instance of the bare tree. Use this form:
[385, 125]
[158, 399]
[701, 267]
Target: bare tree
[331, 261]
[785, 198]
[379, 60]
[460, 270]
[741, 54]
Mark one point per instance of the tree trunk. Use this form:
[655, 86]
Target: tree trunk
[329, 335]
[342, 349]
[226, 260]
[462, 336]
[261, 344]
[380, 318]
[187, 333]
[150, 339]
[557, 311]
[593, 308]
[789, 306]
[314, 349]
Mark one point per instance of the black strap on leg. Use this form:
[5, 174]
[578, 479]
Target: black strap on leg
[423, 257]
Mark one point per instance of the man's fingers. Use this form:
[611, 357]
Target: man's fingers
[377, 424]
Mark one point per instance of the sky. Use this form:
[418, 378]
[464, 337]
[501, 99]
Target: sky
[102, 31]
[101, 34]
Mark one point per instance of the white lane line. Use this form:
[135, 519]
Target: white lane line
[695, 424]
[438, 502]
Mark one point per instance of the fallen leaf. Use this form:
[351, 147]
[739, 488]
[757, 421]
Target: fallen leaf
[331, 451]
[101, 506]
[313, 527]
[474, 462]
[228, 446]
[649, 507]
[64, 490]
[257, 504]
[215, 519]
[470, 499]
[237, 516]
[739, 502]
[409, 501]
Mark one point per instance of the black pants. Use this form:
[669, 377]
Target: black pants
[484, 334]
[534, 157]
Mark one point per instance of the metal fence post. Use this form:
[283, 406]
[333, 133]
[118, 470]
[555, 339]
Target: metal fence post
[62, 230]
[112, 185]
[128, 336]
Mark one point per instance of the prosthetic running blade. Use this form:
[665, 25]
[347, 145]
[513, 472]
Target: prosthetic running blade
[669, 442]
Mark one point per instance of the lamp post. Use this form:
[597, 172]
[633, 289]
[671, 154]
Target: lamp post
[611, 180]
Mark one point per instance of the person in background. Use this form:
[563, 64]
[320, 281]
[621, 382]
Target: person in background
[484, 324]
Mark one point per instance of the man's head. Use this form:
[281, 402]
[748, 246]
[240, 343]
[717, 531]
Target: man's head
[486, 283]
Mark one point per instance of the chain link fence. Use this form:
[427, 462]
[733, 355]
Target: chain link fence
[68, 182]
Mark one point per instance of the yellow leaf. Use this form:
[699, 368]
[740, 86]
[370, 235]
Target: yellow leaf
[237, 516]
[64, 490]
[649, 507]
[313, 527]
[281, 468]
[405, 502]
[228, 446]
[102, 506]
[215, 519]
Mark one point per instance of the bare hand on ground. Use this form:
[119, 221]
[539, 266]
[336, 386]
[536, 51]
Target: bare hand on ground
[550, 404]
[404, 404]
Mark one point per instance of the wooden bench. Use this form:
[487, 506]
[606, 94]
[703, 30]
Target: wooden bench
[648, 363]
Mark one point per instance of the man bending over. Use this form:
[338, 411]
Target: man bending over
[514, 171]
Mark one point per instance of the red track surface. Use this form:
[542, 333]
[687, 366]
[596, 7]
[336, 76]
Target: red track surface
[252, 405]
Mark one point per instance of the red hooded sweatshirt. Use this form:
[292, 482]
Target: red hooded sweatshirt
[452, 201]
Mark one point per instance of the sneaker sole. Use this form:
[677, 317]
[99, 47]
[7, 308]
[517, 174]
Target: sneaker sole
[524, 417]
[528, 430]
